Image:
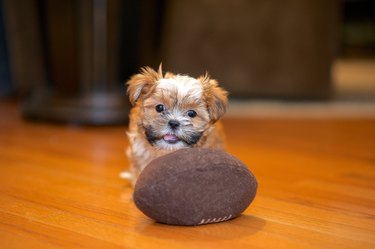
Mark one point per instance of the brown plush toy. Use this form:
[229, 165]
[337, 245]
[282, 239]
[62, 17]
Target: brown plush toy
[195, 186]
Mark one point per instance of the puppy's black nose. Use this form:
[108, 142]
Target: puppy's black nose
[173, 124]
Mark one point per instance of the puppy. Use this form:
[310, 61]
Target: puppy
[171, 112]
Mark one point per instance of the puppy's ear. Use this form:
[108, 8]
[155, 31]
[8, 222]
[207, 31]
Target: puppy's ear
[215, 96]
[142, 85]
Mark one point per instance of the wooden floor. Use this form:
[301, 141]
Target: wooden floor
[59, 187]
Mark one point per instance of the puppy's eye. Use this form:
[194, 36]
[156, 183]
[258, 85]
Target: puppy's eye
[191, 113]
[160, 108]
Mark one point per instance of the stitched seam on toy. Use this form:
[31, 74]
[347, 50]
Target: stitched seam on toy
[214, 220]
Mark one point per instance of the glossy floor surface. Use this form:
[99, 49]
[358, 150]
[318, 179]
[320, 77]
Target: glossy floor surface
[59, 187]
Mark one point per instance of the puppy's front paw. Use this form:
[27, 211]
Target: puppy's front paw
[129, 176]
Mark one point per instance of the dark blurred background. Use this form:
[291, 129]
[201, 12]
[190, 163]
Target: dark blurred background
[68, 60]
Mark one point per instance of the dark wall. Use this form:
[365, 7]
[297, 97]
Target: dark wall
[5, 84]
[281, 49]
[255, 48]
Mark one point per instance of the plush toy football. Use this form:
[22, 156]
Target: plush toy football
[194, 186]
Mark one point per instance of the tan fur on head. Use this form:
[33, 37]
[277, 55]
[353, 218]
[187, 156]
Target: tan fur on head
[195, 105]
[215, 96]
[143, 83]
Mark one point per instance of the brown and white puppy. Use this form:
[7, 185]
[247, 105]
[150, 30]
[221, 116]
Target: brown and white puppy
[171, 112]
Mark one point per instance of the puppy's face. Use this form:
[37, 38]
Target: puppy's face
[175, 110]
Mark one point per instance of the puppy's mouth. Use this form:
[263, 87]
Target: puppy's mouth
[171, 138]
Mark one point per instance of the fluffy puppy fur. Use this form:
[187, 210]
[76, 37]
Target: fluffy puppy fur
[171, 112]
